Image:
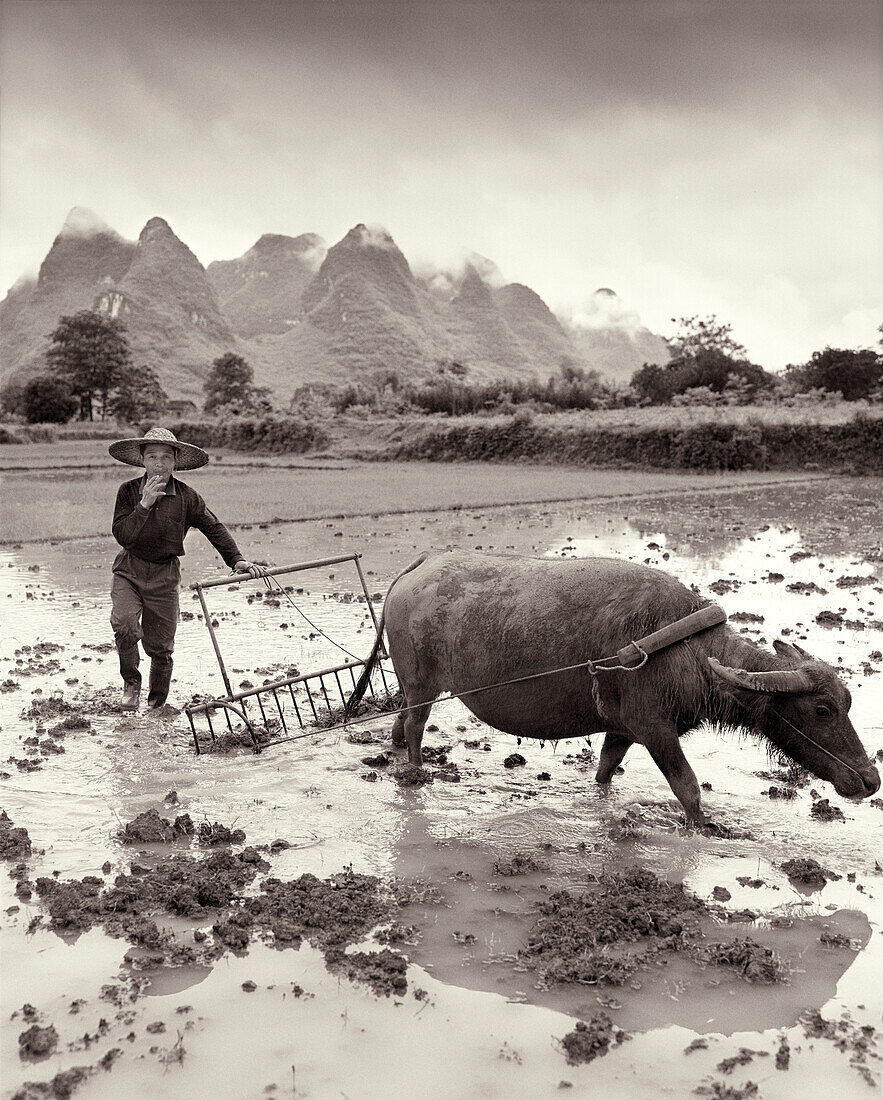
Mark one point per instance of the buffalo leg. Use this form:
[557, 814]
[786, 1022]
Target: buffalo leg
[398, 731]
[616, 745]
[669, 757]
[414, 722]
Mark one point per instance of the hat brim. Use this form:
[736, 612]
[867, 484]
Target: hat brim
[187, 455]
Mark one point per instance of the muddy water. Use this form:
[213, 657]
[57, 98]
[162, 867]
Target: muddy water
[484, 1028]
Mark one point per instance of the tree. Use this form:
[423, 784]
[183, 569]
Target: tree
[48, 400]
[855, 374]
[704, 355]
[653, 384]
[709, 368]
[702, 334]
[91, 351]
[139, 396]
[12, 399]
[231, 382]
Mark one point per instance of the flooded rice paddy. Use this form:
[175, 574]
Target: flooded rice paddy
[467, 868]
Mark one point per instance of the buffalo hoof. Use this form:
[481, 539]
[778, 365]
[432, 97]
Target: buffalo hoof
[607, 776]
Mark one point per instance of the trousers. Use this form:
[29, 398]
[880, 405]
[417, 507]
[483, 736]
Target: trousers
[144, 608]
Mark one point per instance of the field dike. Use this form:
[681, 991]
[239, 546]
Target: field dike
[752, 445]
[656, 439]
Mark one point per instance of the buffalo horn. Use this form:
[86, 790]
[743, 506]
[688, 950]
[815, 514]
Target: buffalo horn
[788, 680]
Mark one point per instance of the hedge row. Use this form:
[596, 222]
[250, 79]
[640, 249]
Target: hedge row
[267, 435]
[857, 444]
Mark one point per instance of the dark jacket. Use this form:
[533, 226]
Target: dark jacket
[157, 534]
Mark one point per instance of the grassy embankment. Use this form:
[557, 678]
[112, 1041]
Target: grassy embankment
[831, 436]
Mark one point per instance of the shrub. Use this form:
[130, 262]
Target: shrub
[854, 374]
[269, 435]
[48, 400]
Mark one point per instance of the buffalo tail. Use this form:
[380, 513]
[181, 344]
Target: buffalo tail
[365, 679]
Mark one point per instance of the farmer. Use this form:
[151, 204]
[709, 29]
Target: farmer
[153, 514]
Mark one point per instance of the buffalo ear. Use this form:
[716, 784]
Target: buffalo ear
[785, 649]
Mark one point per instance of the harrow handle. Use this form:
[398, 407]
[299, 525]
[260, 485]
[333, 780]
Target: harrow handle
[277, 572]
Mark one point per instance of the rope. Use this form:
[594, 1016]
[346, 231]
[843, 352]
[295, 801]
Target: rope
[270, 581]
[592, 666]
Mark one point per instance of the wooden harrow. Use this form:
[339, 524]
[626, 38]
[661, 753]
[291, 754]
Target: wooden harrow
[309, 703]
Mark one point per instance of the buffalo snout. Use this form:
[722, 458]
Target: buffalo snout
[857, 784]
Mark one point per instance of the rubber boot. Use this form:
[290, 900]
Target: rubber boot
[160, 678]
[129, 659]
[131, 696]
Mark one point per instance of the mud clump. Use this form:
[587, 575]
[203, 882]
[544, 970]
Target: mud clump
[436, 754]
[15, 844]
[808, 872]
[780, 793]
[37, 1043]
[329, 913]
[177, 885]
[514, 760]
[384, 703]
[857, 1041]
[717, 1090]
[824, 811]
[61, 1087]
[150, 828]
[74, 723]
[239, 739]
[412, 775]
[834, 939]
[448, 773]
[521, 863]
[363, 737]
[751, 960]
[55, 706]
[381, 760]
[384, 971]
[570, 940]
[211, 835]
[793, 775]
[591, 1039]
[744, 1057]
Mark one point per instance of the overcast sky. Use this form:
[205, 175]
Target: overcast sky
[722, 156]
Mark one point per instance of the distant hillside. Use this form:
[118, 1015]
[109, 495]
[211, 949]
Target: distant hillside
[301, 312]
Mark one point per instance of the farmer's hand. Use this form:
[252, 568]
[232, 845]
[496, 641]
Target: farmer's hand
[254, 571]
[153, 489]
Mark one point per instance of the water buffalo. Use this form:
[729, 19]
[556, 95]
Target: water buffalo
[457, 621]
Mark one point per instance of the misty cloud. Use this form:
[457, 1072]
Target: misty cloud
[82, 222]
[444, 277]
[605, 310]
[375, 236]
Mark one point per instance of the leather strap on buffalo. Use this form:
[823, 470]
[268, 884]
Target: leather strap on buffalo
[635, 654]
